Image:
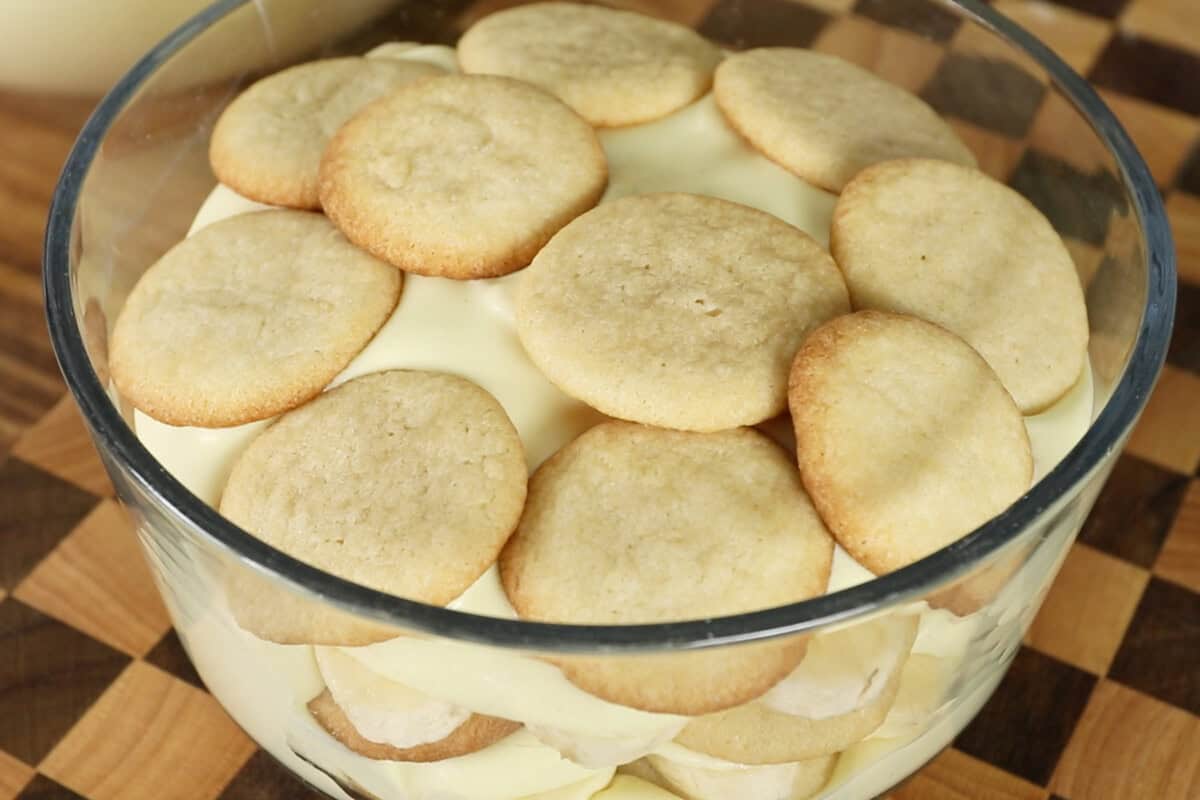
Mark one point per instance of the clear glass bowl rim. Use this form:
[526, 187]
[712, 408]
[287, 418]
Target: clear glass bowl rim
[1106, 433]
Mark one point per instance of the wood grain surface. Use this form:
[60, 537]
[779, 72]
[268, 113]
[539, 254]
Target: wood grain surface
[97, 699]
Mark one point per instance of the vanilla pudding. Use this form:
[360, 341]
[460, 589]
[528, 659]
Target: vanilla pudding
[412, 690]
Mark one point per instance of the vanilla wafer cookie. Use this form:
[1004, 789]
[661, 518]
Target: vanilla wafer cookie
[268, 142]
[403, 481]
[697, 776]
[951, 245]
[630, 524]
[905, 437]
[839, 694]
[676, 310]
[462, 176]
[251, 316]
[613, 67]
[826, 119]
[476, 733]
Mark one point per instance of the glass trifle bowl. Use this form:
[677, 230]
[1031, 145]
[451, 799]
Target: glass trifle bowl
[893, 666]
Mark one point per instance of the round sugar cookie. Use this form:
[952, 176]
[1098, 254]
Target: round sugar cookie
[613, 67]
[863, 662]
[630, 524]
[824, 118]
[478, 732]
[462, 176]
[251, 316]
[268, 142]
[403, 481]
[905, 437]
[274, 613]
[676, 310]
[951, 245]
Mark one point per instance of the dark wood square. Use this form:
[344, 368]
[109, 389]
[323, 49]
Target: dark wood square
[742, 24]
[1134, 511]
[1038, 692]
[262, 778]
[1144, 68]
[1189, 173]
[169, 656]
[1079, 204]
[420, 21]
[42, 788]
[926, 18]
[1099, 8]
[1160, 654]
[989, 92]
[1185, 340]
[50, 674]
[37, 510]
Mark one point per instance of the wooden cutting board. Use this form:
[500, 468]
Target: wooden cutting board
[98, 701]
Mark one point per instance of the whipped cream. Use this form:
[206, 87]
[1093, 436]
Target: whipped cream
[845, 670]
[437, 54]
[412, 688]
[385, 711]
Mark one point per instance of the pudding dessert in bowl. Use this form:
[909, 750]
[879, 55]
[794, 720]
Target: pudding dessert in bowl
[593, 408]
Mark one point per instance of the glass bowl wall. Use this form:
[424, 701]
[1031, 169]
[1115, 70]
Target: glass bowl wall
[139, 172]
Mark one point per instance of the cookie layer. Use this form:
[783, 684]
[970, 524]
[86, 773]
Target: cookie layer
[630, 524]
[951, 245]
[405, 482]
[905, 437]
[461, 176]
[250, 317]
[613, 67]
[864, 662]
[676, 310]
[475, 734]
[268, 142]
[826, 119]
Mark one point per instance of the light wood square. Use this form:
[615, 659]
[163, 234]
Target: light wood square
[1088, 609]
[1059, 131]
[150, 735]
[685, 12]
[1179, 559]
[1087, 259]
[1129, 745]
[997, 155]
[1183, 211]
[59, 443]
[1168, 433]
[1076, 38]
[975, 41]
[1163, 137]
[902, 58]
[14, 774]
[954, 775]
[1174, 22]
[829, 6]
[97, 581]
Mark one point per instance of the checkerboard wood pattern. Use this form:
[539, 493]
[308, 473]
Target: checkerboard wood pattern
[98, 701]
